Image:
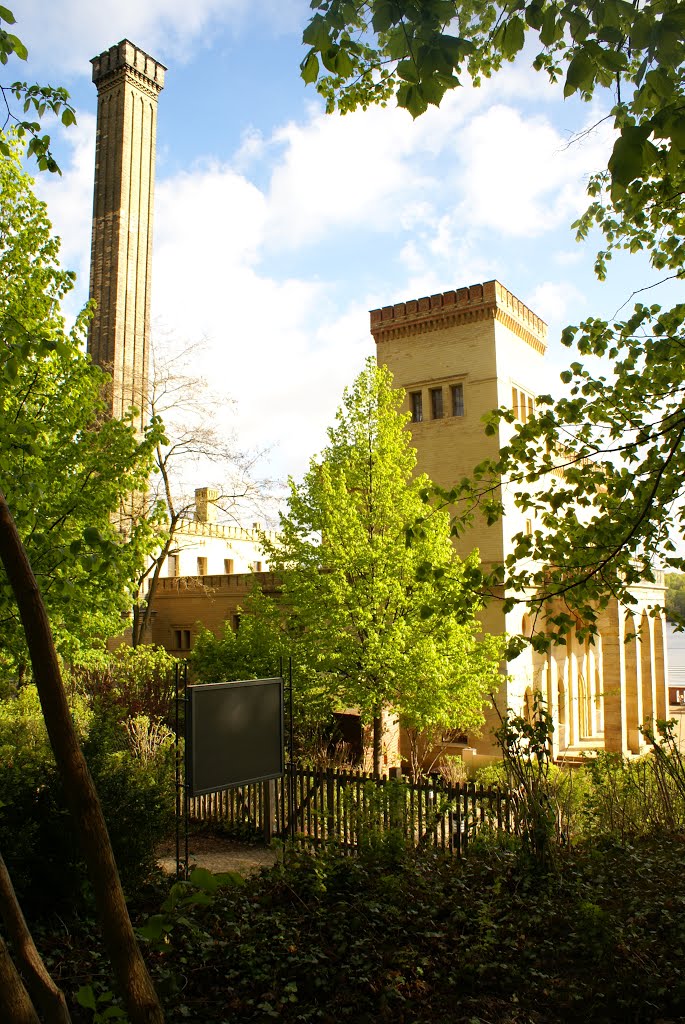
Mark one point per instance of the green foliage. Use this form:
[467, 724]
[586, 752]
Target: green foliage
[675, 596]
[36, 834]
[619, 445]
[101, 1004]
[417, 52]
[252, 651]
[528, 761]
[374, 622]
[628, 799]
[36, 100]
[325, 937]
[65, 467]
[138, 680]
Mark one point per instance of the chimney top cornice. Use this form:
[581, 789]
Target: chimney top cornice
[126, 56]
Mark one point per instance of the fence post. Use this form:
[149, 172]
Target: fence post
[268, 810]
[330, 805]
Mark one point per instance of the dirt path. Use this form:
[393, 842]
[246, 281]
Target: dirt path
[217, 854]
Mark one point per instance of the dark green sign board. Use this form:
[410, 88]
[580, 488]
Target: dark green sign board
[234, 734]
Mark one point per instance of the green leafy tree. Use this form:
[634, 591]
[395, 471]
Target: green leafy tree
[253, 650]
[618, 437]
[358, 599]
[34, 100]
[65, 466]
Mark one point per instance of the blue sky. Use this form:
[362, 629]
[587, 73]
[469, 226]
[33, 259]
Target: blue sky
[277, 227]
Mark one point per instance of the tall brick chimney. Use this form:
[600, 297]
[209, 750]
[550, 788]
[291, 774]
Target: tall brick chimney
[128, 82]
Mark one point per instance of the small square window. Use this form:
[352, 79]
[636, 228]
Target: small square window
[457, 399]
[416, 407]
[436, 404]
[202, 565]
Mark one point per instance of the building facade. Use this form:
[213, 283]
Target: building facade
[459, 355]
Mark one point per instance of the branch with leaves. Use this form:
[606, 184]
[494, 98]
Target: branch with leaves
[37, 100]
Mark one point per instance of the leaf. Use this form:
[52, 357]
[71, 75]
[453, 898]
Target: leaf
[407, 70]
[384, 16]
[549, 28]
[309, 68]
[91, 536]
[411, 98]
[6, 15]
[204, 879]
[626, 162]
[233, 878]
[18, 47]
[511, 37]
[580, 74]
[316, 34]
[86, 997]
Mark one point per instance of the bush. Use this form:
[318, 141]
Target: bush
[139, 680]
[36, 834]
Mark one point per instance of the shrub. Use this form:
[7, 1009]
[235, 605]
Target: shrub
[36, 834]
[139, 680]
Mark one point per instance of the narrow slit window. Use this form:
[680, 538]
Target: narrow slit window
[201, 565]
[515, 402]
[457, 399]
[228, 566]
[416, 407]
[172, 568]
[436, 404]
[182, 639]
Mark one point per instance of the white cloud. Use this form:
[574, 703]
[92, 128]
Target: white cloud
[70, 204]
[518, 174]
[556, 301]
[343, 171]
[64, 36]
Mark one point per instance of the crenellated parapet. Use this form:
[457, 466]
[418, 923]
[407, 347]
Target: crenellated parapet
[241, 583]
[487, 301]
[196, 528]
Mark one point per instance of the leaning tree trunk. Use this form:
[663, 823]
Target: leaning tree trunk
[130, 971]
[15, 1004]
[44, 993]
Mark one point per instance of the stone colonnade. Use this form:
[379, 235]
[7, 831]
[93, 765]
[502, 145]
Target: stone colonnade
[600, 693]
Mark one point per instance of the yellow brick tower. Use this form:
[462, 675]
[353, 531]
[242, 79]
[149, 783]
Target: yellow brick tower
[459, 355]
[128, 82]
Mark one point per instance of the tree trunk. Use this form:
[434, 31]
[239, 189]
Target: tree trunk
[377, 742]
[134, 982]
[15, 1005]
[44, 993]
